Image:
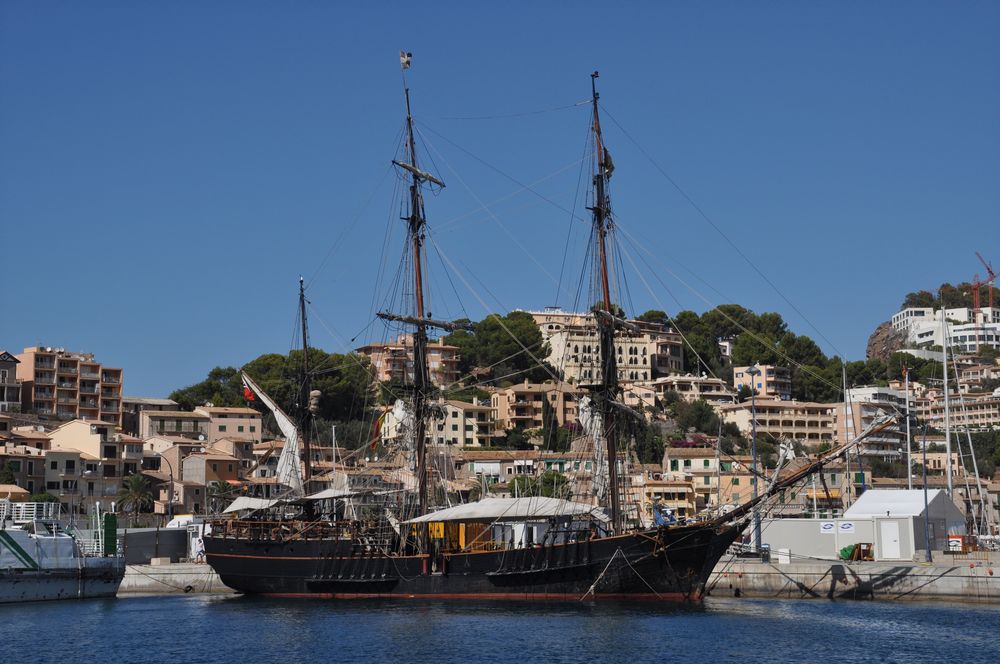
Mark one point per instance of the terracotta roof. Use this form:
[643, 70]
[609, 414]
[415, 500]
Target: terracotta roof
[175, 414]
[225, 410]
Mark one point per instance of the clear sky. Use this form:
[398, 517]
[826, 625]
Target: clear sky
[167, 170]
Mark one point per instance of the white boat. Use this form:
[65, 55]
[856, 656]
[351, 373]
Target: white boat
[40, 560]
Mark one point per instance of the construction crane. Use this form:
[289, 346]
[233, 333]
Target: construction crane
[991, 276]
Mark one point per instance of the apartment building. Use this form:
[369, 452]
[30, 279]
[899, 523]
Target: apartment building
[521, 405]
[649, 351]
[119, 455]
[461, 423]
[10, 388]
[978, 413]
[394, 360]
[701, 466]
[965, 330]
[69, 385]
[772, 382]
[810, 423]
[863, 406]
[177, 423]
[692, 388]
[26, 464]
[132, 407]
[237, 423]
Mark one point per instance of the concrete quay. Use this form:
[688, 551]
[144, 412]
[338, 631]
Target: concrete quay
[961, 579]
[171, 579]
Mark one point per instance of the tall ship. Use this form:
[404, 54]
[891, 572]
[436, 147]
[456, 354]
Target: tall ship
[42, 560]
[402, 540]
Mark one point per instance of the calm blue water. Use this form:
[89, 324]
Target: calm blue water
[190, 629]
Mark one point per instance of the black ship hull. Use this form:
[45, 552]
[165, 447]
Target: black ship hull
[661, 564]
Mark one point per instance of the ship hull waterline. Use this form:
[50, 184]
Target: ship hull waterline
[666, 564]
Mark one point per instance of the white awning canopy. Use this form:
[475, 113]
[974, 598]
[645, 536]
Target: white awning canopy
[518, 509]
[248, 503]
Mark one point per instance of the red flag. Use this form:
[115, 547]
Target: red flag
[247, 392]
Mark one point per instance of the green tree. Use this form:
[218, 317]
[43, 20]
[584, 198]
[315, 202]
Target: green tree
[698, 415]
[43, 497]
[135, 496]
[550, 484]
[497, 346]
[654, 316]
[6, 473]
[222, 387]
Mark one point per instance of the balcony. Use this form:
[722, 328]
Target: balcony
[45, 380]
[65, 413]
[91, 375]
[88, 390]
[67, 385]
[71, 371]
[44, 364]
[113, 380]
[66, 400]
[41, 410]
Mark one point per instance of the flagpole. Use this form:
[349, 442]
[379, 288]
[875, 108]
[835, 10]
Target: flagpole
[909, 447]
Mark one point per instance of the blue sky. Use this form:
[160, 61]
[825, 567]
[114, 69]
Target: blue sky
[167, 170]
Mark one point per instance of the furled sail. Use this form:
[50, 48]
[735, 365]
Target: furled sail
[289, 471]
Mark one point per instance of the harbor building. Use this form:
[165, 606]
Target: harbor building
[132, 407]
[521, 405]
[692, 388]
[69, 385]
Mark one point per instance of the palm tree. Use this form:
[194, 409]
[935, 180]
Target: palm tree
[220, 494]
[135, 496]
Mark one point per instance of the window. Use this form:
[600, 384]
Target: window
[707, 480]
[253, 428]
[54, 486]
[222, 428]
[454, 427]
[70, 465]
[239, 428]
[215, 467]
[53, 465]
[673, 464]
[230, 466]
[736, 481]
[706, 463]
[687, 463]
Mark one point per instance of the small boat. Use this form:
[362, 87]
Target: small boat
[41, 560]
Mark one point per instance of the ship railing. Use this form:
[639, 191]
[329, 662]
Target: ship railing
[283, 530]
[27, 512]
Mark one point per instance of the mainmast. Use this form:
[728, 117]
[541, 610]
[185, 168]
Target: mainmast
[606, 392]
[305, 413]
[415, 222]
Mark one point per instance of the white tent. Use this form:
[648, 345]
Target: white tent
[490, 509]
[905, 502]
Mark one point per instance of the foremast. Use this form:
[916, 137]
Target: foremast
[305, 412]
[606, 392]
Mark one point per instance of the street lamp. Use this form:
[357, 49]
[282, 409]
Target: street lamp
[754, 371]
[170, 490]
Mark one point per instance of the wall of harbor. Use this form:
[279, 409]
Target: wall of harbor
[168, 579]
[972, 578]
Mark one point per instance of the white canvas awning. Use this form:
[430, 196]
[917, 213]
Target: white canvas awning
[491, 509]
[330, 493]
[248, 503]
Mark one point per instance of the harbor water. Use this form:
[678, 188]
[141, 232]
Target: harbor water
[190, 629]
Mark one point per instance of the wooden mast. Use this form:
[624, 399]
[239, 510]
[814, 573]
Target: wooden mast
[607, 391]
[421, 379]
[306, 383]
